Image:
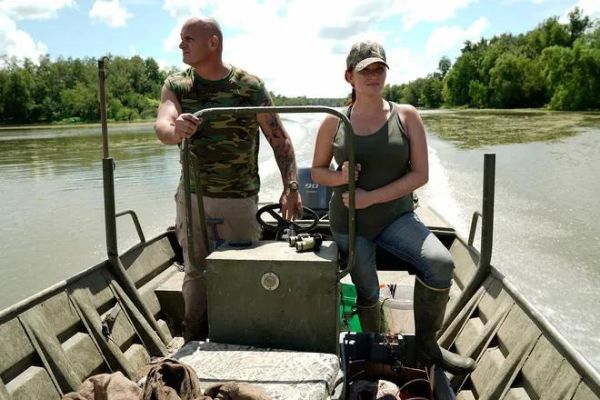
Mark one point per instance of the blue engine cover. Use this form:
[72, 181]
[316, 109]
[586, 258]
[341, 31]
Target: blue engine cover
[314, 196]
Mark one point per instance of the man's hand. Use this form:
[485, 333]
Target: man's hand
[186, 125]
[291, 205]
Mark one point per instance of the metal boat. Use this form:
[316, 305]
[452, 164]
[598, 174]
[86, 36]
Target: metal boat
[281, 318]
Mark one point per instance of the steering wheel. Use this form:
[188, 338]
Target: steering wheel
[279, 223]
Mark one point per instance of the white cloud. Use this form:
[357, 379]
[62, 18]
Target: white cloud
[299, 46]
[284, 45]
[110, 12]
[537, 2]
[282, 41]
[406, 66]
[33, 9]
[17, 43]
[165, 65]
[182, 9]
[414, 12]
[447, 38]
[172, 41]
[337, 19]
[591, 8]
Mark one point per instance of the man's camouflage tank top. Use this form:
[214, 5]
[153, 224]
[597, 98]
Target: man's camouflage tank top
[225, 148]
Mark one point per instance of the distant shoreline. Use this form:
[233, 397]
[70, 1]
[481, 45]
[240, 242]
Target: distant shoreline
[71, 125]
[63, 125]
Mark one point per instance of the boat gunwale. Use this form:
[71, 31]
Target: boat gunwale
[575, 358]
[588, 373]
[37, 298]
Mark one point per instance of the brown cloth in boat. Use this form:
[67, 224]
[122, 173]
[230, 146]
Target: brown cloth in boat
[165, 379]
[106, 387]
[170, 379]
[235, 391]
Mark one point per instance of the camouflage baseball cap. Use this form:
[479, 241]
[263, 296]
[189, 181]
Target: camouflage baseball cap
[363, 54]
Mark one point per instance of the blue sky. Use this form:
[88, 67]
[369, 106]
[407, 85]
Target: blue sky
[297, 46]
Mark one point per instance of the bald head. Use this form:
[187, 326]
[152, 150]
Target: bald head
[205, 27]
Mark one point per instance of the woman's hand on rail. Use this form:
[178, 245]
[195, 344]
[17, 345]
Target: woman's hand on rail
[345, 168]
[362, 199]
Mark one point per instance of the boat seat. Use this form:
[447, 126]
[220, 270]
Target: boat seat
[282, 374]
[170, 298]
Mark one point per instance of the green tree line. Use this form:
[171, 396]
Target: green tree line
[555, 65]
[66, 90]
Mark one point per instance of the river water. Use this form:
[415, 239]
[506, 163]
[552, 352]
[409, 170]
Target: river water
[546, 234]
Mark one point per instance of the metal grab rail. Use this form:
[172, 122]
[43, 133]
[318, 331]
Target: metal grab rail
[136, 222]
[110, 215]
[349, 138]
[487, 233]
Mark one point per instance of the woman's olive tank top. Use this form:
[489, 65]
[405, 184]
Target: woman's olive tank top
[384, 157]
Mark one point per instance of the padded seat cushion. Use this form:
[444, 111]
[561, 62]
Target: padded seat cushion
[282, 374]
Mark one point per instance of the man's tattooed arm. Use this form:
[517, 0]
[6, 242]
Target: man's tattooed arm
[290, 200]
[281, 143]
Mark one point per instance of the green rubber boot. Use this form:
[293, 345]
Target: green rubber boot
[430, 306]
[371, 318]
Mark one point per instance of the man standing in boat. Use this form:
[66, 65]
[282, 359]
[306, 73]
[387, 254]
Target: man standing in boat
[224, 151]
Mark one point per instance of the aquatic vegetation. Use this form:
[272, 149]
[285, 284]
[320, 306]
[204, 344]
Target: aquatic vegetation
[471, 129]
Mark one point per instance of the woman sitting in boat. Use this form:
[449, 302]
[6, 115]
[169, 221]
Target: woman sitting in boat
[391, 162]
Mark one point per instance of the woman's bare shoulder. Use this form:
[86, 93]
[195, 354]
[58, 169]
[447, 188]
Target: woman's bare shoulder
[410, 118]
[407, 109]
[408, 113]
[329, 124]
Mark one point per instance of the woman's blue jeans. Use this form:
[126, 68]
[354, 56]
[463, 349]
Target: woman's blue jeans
[408, 239]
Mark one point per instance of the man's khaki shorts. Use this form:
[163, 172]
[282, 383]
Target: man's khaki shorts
[239, 223]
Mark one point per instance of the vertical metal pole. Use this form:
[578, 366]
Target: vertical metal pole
[110, 217]
[349, 142]
[185, 162]
[487, 227]
[200, 204]
[349, 139]
[487, 239]
[102, 87]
